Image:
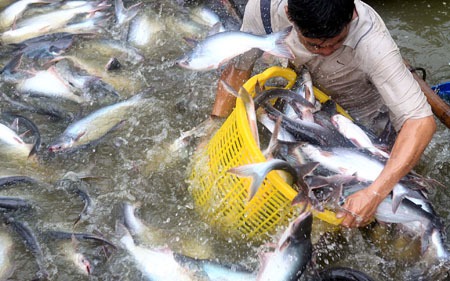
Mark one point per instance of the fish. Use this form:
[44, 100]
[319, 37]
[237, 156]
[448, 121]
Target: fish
[92, 87]
[90, 129]
[49, 83]
[151, 236]
[45, 46]
[292, 254]
[12, 13]
[81, 262]
[205, 128]
[144, 28]
[301, 107]
[307, 82]
[133, 224]
[343, 274]
[356, 135]
[94, 67]
[267, 122]
[7, 180]
[217, 49]
[87, 209]
[309, 131]
[12, 145]
[64, 235]
[212, 270]
[124, 15]
[121, 50]
[48, 22]
[206, 16]
[51, 110]
[347, 161]
[31, 242]
[418, 218]
[6, 250]
[249, 108]
[155, 264]
[14, 203]
[303, 126]
[158, 263]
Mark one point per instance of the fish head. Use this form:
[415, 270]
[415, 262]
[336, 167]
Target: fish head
[301, 227]
[184, 61]
[63, 143]
[83, 264]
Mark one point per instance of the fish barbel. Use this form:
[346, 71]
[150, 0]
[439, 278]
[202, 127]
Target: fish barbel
[217, 49]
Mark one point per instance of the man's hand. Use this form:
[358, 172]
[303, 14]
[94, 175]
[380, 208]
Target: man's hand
[359, 208]
[412, 140]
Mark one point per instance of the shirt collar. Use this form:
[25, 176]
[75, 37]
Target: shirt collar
[360, 26]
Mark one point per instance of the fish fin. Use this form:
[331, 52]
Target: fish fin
[191, 42]
[80, 135]
[285, 244]
[306, 169]
[281, 48]
[396, 201]
[215, 29]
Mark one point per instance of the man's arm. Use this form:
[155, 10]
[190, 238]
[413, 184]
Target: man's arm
[412, 140]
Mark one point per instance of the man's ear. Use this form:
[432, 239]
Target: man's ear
[287, 13]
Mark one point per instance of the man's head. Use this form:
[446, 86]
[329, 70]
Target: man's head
[321, 21]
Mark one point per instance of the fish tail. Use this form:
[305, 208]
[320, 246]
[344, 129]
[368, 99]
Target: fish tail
[279, 47]
[257, 172]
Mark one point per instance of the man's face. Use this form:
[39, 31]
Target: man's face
[323, 46]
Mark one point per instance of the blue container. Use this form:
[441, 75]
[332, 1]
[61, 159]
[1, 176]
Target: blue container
[443, 91]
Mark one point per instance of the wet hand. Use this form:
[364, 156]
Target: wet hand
[359, 208]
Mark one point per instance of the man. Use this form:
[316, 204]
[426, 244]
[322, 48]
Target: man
[351, 57]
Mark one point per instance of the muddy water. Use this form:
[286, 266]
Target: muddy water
[134, 164]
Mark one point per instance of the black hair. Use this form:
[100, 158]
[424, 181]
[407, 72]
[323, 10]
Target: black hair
[320, 18]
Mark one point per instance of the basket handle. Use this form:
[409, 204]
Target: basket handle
[274, 71]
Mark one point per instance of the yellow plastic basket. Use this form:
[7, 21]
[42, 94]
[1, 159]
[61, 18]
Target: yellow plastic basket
[221, 197]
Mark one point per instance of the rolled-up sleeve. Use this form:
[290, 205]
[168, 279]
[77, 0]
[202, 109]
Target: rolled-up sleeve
[399, 90]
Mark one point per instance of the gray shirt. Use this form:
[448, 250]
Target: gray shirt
[366, 76]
